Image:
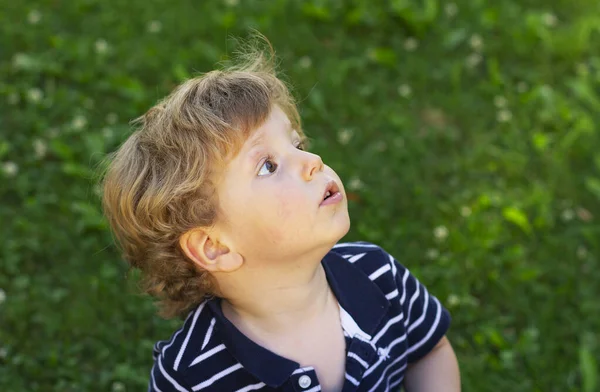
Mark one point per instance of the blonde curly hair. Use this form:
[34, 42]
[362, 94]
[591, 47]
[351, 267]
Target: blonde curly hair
[161, 182]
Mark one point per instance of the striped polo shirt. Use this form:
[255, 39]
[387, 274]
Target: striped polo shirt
[388, 317]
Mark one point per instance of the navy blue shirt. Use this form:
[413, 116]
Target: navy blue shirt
[388, 317]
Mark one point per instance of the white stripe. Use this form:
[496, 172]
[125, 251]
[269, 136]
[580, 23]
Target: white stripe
[392, 295]
[177, 333]
[420, 320]
[217, 377]
[358, 359]
[385, 371]
[393, 264]
[156, 389]
[162, 351]
[187, 338]
[314, 389]
[412, 301]
[383, 330]
[207, 354]
[356, 257]
[352, 379]
[398, 381]
[350, 325]
[252, 387]
[303, 370]
[382, 358]
[380, 272]
[349, 244]
[169, 378]
[431, 331]
[208, 333]
[404, 279]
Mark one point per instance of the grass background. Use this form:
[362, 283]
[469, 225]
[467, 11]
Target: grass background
[466, 135]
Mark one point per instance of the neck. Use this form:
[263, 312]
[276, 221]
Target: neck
[279, 305]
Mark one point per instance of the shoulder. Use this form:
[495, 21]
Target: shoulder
[357, 250]
[367, 256]
[176, 359]
[373, 261]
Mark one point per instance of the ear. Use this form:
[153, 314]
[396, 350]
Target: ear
[208, 253]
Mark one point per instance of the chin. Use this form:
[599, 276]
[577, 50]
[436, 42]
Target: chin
[346, 226]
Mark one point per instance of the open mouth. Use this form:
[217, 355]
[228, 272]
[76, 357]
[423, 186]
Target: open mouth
[331, 189]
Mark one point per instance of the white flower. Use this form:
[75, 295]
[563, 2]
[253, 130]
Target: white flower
[582, 252]
[344, 136]
[355, 183]
[22, 61]
[465, 211]
[440, 233]
[404, 90]
[101, 46]
[476, 42]
[88, 103]
[10, 168]
[380, 145]
[549, 19]
[399, 142]
[453, 300]
[154, 26]
[432, 254]
[2, 296]
[451, 9]
[53, 132]
[500, 101]
[112, 118]
[79, 122]
[34, 94]
[522, 87]
[34, 16]
[40, 147]
[107, 132]
[568, 215]
[13, 98]
[305, 62]
[504, 116]
[410, 44]
[97, 189]
[473, 60]
[118, 386]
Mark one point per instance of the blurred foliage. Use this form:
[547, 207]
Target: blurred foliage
[466, 134]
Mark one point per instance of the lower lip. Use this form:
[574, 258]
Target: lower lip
[334, 199]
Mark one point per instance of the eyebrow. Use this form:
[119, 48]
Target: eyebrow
[260, 139]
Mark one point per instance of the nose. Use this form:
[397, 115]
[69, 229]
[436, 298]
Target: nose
[312, 164]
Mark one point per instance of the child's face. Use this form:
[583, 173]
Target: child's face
[272, 205]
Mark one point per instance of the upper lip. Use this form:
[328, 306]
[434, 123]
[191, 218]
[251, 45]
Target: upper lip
[332, 187]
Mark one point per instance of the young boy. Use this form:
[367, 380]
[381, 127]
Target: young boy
[233, 223]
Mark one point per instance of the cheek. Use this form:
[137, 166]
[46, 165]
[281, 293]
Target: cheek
[289, 204]
[274, 216]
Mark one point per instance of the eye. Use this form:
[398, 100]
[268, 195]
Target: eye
[301, 145]
[269, 164]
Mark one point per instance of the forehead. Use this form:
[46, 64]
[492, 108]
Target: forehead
[276, 124]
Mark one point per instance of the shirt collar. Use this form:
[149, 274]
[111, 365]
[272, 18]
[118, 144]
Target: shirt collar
[358, 297]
